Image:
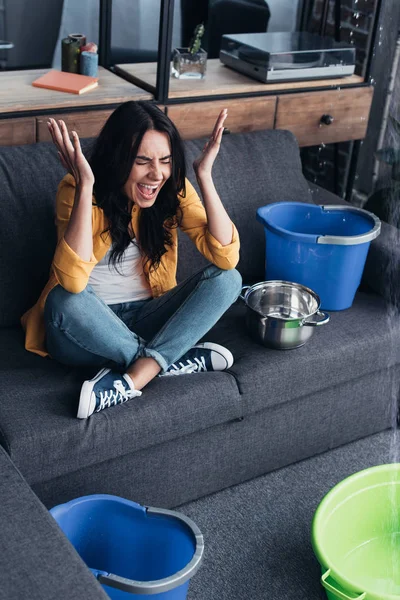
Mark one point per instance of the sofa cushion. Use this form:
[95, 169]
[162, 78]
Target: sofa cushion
[252, 170]
[28, 182]
[29, 177]
[39, 428]
[355, 343]
[38, 425]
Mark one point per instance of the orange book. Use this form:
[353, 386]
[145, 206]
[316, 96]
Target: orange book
[66, 82]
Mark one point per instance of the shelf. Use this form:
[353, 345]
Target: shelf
[221, 80]
[17, 93]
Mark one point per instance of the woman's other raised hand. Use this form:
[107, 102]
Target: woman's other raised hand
[203, 164]
[70, 153]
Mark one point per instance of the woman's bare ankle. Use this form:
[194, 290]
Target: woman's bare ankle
[143, 370]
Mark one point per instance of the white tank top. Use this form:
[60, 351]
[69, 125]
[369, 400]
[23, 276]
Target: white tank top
[127, 285]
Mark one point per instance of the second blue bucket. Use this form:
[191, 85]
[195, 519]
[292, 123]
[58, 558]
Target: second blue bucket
[321, 247]
[133, 550]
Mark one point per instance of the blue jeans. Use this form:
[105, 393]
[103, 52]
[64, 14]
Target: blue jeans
[81, 330]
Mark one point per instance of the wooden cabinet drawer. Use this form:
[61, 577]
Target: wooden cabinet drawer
[86, 124]
[14, 132]
[302, 113]
[197, 119]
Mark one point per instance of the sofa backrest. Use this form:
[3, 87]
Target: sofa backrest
[29, 176]
[252, 169]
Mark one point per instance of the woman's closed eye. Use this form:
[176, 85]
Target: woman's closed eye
[165, 160]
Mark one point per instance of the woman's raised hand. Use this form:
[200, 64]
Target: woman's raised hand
[203, 164]
[70, 153]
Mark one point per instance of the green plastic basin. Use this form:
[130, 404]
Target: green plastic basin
[356, 536]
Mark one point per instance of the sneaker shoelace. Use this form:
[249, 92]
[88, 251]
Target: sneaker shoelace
[111, 398]
[193, 366]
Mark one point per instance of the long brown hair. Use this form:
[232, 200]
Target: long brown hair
[112, 158]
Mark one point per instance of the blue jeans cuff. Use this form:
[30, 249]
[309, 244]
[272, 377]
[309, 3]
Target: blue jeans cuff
[157, 357]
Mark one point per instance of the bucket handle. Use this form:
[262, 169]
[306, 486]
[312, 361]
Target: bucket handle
[351, 240]
[339, 594]
[324, 319]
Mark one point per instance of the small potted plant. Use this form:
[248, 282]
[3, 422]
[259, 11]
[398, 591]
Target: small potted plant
[191, 62]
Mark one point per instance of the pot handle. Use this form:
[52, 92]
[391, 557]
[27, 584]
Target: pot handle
[324, 319]
[244, 288]
[338, 593]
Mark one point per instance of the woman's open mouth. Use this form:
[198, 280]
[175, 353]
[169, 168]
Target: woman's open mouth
[148, 192]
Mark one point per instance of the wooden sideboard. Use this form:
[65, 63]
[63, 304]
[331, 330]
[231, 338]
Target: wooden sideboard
[24, 109]
[301, 107]
[297, 106]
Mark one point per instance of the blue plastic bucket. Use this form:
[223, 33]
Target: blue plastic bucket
[321, 247]
[133, 550]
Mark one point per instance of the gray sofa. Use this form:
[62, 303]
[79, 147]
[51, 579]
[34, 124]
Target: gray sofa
[192, 435]
[36, 559]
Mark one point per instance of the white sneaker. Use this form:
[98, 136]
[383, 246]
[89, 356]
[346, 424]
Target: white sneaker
[104, 390]
[205, 356]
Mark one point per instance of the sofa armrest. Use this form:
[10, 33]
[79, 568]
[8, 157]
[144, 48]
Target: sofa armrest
[37, 560]
[382, 268]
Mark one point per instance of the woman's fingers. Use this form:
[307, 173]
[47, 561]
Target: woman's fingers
[66, 140]
[55, 133]
[206, 145]
[59, 143]
[84, 171]
[220, 134]
[211, 148]
[215, 142]
[76, 143]
[220, 121]
[63, 162]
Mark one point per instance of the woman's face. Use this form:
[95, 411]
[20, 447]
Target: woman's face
[151, 169]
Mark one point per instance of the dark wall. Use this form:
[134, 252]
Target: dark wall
[32, 25]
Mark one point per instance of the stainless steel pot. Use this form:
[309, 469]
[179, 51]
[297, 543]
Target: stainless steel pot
[281, 314]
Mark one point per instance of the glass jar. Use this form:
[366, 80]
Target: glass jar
[189, 66]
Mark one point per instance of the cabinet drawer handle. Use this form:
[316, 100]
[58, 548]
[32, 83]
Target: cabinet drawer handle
[327, 119]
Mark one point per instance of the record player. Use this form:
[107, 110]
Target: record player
[277, 57]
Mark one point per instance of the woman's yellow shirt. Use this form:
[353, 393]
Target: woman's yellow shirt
[72, 273]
